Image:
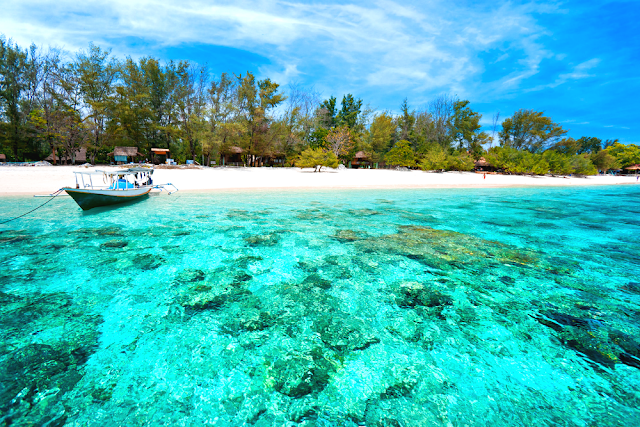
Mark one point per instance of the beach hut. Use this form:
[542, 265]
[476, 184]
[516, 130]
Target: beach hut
[633, 168]
[122, 154]
[80, 156]
[160, 155]
[3, 158]
[361, 160]
[481, 165]
[232, 156]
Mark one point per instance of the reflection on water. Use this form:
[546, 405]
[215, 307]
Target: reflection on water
[378, 308]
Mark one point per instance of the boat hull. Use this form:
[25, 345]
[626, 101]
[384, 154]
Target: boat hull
[89, 199]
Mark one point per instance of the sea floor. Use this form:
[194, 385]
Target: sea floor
[497, 307]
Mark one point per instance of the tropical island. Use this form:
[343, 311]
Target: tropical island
[100, 109]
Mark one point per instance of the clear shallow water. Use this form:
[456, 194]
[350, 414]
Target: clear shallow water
[378, 308]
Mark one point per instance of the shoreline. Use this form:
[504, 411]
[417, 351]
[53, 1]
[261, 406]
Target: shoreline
[29, 181]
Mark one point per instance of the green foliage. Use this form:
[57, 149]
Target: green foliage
[436, 158]
[529, 130]
[517, 161]
[582, 165]
[465, 129]
[460, 162]
[381, 134]
[625, 154]
[559, 163]
[348, 115]
[589, 144]
[401, 155]
[604, 161]
[317, 158]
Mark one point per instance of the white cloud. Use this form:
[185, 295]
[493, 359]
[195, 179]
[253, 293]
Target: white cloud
[427, 47]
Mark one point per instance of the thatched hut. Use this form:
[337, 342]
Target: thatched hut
[80, 157]
[482, 165]
[633, 168]
[361, 160]
[232, 156]
[125, 154]
[160, 155]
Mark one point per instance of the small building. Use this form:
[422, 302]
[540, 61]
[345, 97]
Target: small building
[633, 169]
[232, 156]
[125, 154]
[64, 159]
[3, 158]
[160, 155]
[482, 165]
[361, 160]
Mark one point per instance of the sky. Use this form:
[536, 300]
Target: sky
[577, 61]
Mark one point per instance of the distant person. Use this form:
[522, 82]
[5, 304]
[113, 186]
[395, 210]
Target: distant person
[484, 176]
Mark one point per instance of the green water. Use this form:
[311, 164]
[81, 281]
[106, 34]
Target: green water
[498, 307]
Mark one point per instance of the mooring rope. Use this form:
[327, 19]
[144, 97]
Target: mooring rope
[53, 196]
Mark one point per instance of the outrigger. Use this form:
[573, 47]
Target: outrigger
[119, 187]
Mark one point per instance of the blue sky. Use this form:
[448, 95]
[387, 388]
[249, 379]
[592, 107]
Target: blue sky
[577, 61]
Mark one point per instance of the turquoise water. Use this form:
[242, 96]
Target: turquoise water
[499, 307]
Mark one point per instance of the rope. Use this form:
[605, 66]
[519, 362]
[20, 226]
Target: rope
[57, 193]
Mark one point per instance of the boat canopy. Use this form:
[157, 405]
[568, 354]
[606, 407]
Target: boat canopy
[130, 171]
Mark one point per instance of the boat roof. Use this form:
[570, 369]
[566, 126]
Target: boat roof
[121, 172]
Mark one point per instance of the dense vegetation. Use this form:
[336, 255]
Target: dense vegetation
[99, 102]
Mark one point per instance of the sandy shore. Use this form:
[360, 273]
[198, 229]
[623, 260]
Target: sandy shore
[47, 179]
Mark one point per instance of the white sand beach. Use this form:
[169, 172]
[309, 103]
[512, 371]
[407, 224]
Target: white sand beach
[47, 179]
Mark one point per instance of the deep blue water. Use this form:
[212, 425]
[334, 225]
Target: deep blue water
[499, 307]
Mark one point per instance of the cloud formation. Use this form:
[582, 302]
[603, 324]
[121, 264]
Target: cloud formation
[385, 50]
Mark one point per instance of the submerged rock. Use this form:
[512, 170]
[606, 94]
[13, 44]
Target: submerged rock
[190, 275]
[263, 240]
[317, 281]
[301, 375]
[414, 294]
[36, 377]
[117, 244]
[632, 287]
[348, 235]
[344, 334]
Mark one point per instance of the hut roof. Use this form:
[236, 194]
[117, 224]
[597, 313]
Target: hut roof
[81, 155]
[361, 155]
[482, 162]
[160, 150]
[235, 150]
[633, 167]
[3, 157]
[125, 151]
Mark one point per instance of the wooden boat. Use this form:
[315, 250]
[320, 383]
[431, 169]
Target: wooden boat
[119, 187]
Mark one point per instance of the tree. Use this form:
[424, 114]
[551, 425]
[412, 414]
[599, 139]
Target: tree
[338, 141]
[436, 158]
[566, 146]
[381, 134]
[317, 158]
[604, 161]
[348, 114]
[529, 130]
[625, 154]
[406, 122]
[441, 111]
[401, 155]
[582, 165]
[588, 144]
[465, 129]
[559, 163]
[19, 72]
[97, 75]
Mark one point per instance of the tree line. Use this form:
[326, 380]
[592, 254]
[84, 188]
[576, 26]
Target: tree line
[50, 102]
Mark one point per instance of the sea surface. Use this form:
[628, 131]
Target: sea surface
[491, 307]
